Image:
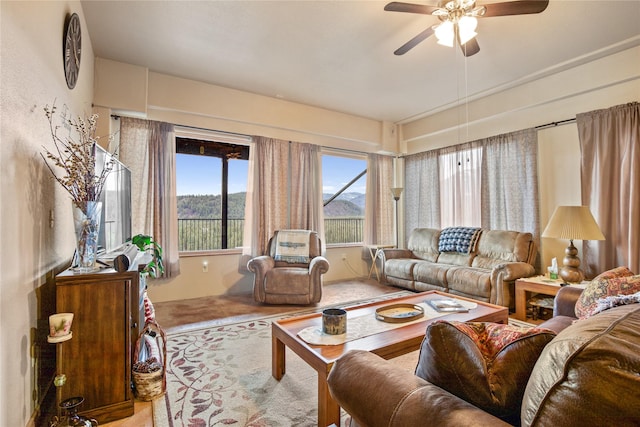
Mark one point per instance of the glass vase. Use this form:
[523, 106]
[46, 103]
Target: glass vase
[87, 227]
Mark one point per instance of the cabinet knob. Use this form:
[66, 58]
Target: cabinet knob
[134, 325]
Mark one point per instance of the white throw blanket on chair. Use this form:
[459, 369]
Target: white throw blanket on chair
[292, 246]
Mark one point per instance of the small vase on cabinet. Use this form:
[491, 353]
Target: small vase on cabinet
[87, 228]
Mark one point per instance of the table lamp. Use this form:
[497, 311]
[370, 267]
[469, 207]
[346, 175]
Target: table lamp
[572, 222]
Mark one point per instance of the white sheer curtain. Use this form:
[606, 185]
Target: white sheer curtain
[610, 145]
[422, 191]
[379, 202]
[148, 148]
[285, 181]
[460, 176]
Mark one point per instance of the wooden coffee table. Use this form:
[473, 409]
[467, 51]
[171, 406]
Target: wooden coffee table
[387, 344]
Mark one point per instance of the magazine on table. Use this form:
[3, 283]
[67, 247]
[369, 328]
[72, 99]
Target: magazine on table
[447, 305]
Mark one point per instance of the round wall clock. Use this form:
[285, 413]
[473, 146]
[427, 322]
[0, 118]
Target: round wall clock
[71, 50]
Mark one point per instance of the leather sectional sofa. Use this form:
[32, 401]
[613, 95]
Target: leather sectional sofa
[587, 375]
[485, 271]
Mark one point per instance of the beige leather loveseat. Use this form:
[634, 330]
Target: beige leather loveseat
[485, 271]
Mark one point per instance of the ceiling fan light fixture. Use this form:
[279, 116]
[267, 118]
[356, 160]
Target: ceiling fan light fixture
[467, 28]
[445, 34]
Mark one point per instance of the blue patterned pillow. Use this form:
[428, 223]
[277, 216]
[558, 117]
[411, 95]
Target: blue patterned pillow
[458, 239]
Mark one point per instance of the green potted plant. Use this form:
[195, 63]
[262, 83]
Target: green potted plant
[155, 267]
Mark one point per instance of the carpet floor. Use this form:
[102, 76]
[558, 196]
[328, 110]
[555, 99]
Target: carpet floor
[219, 373]
[212, 310]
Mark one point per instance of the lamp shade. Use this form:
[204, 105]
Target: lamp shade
[396, 191]
[573, 222]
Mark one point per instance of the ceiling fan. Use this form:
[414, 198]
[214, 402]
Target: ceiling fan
[458, 20]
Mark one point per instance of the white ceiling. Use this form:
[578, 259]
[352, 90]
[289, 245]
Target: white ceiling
[339, 54]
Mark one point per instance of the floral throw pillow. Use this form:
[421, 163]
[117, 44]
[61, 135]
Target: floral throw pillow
[618, 281]
[486, 364]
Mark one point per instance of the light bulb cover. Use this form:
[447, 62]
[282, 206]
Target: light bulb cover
[445, 34]
[466, 28]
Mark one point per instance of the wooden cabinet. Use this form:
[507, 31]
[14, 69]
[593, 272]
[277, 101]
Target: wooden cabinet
[97, 359]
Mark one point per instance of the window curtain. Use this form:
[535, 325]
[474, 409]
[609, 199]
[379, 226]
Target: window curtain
[285, 180]
[422, 192]
[379, 202]
[306, 202]
[148, 148]
[610, 172]
[460, 174]
[508, 183]
[510, 199]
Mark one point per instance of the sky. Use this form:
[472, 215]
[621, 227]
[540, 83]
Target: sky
[201, 175]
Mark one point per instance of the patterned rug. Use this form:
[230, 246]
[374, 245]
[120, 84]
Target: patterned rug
[221, 375]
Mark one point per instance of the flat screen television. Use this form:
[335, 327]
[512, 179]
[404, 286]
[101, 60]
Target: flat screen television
[115, 225]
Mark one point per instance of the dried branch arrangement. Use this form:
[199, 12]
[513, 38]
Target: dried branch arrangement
[76, 159]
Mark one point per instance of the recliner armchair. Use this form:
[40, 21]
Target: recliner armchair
[291, 281]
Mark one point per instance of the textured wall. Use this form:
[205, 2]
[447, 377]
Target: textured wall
[31, 76]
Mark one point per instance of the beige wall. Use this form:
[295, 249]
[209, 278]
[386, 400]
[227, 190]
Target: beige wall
[32, 76]
[191, 103]
[548, 98]
[601, 83]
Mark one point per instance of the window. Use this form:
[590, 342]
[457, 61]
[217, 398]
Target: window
[211, 183]
[460, 191]
[344, 189]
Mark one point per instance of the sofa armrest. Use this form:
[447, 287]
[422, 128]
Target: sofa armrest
[502, 278]
[376, 393]
[386, 254]
[565, 302]
[318, 266]
[260, 265]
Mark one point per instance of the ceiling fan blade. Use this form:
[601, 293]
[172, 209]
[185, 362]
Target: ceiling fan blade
[414, 41]
[470, 48]
[410, 8]
[523, 7]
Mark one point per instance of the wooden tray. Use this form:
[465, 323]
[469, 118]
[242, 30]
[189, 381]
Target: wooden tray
[399, 313]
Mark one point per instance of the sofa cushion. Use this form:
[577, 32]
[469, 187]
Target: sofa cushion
[505, 246]
[423, 242]
[433, 274]
[455, 258]
[589, 374]
[471, 282]
[486, 364]
[458, 239]
[618, 281]
[401, 268]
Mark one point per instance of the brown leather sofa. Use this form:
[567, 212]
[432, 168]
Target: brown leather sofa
[487, 272]
[588, 375]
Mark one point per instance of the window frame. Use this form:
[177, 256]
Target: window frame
[217, 137]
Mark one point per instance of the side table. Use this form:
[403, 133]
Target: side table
[538, 284]
[374, 251]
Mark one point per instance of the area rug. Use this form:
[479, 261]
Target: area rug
[221, 375]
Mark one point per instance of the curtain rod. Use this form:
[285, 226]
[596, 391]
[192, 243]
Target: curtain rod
[552, 124]
[117, 117]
